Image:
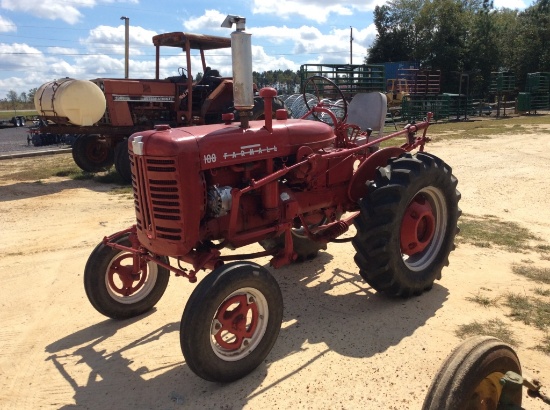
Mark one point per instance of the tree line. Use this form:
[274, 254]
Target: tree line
[286, 82]
[22, 101]
[464, 36]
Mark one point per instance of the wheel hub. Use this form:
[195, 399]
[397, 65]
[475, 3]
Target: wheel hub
[417, 226]
[236, 322]
[125, 285]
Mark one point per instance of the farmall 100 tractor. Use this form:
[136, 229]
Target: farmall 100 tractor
[291, 185]
[104, 112]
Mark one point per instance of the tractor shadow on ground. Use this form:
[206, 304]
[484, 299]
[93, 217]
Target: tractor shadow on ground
[26, 190]
[322, 304]
[326, 304]
[115, 378]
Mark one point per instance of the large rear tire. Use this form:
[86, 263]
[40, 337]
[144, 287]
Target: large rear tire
[407, 224]
[231, 321]
[114, 291]
[304, 248]
[470, 377]
[93, 153]
[122, 161]
[258, 112]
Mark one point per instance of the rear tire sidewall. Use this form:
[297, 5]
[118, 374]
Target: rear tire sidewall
[122, 161]
[85, 144]
[420, 279]
[378, 242]
[96, 287]
[201, 308]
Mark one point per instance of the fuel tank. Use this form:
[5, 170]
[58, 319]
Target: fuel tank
[81, 102]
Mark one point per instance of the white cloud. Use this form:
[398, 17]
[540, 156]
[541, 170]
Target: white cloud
[62, 50]
[51, 10]
[317, 10]
[6, 25]
[111, 40]
[210, 20]
[310, 45]
[68, 12]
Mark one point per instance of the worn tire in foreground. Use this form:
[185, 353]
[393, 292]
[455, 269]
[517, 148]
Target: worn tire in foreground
[407, 224]
[231, 321]
[114, 291]
[470, 376]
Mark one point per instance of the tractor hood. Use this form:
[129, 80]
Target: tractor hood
[223, 145]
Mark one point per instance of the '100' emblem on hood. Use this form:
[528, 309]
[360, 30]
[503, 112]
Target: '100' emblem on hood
[245, 150]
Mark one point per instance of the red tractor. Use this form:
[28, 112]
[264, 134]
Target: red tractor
[291, 185]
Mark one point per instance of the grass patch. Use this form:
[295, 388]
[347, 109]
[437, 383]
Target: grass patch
[38, 168]
[545, 345]
[541, 275]
[529, 310]
[490, 127]
[487, 231]
[483, 300]
[542, 292]
[6, 115]
[493, 327]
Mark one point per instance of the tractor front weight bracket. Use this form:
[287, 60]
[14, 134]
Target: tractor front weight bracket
[141, 256]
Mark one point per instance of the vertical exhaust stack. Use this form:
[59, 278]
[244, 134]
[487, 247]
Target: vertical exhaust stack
[241, 55]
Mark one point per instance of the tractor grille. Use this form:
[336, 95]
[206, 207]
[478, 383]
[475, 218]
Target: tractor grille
[157, 197]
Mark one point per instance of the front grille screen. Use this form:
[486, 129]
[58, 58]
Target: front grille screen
[157, 197]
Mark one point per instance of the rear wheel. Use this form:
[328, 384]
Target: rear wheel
[470, 377]
[93, 153]
[258, 112]
[112, 287]
[231, 321]
[407, 225]
[122, 161]
[303, 247]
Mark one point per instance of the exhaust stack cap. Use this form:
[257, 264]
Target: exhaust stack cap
[237, 20]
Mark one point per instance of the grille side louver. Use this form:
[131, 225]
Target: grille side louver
[157, 197]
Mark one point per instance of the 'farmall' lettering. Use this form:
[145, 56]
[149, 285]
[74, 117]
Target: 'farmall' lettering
[249, 150]
[140, 98]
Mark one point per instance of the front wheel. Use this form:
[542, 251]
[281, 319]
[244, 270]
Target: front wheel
[231, 321]
[112, 287]
[470, 377]
[407, 224]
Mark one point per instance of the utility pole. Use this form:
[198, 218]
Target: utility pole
[126, 45]
[351, 45]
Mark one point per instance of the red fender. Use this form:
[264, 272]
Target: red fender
[357, 187]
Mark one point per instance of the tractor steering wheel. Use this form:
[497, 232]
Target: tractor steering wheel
[326, 95]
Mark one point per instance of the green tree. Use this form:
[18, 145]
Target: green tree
[12, 99]
[31, 94]
[393, 40]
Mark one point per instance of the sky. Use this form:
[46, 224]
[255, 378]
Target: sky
[45, 40]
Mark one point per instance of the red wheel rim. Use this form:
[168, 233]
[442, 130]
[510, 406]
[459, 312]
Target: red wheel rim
[127, 278]
[237, 319]
[418, 226]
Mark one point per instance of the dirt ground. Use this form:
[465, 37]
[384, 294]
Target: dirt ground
[341, 345]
